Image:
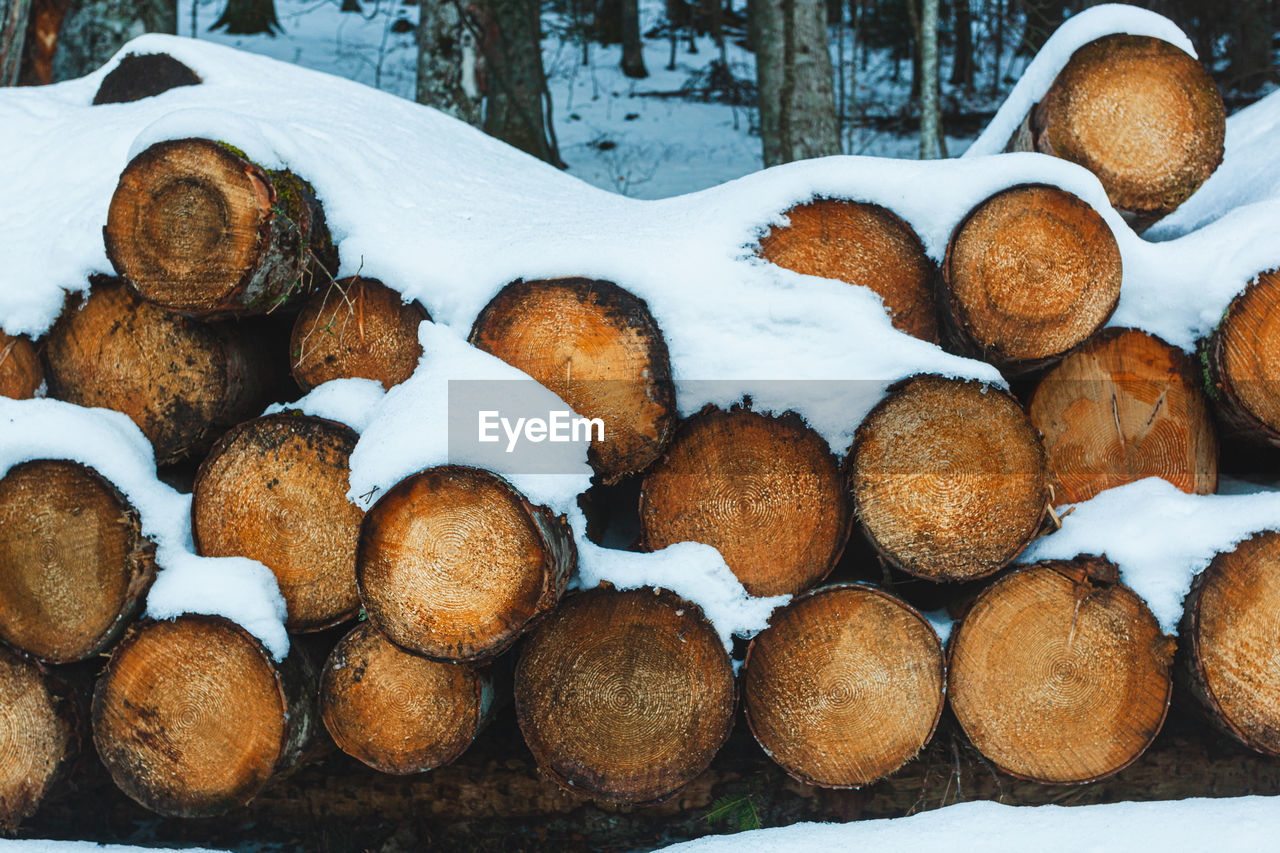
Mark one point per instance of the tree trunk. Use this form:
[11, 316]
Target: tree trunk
[625, 696]
[766, 491]
[40, 738]
[999, 47]
[962, 66]
[93, 30]
[41, 44]
[845, 686]
[949, 478]
[794, 80]
[1252, 31]
[516, 85]
[930, 106]
[861, 243]
[1029, 274]
[599, 349]
[450, 65]
[1059, 672]
[139, 76]
[632, 46]
[14, 15]
[1041, 18]
[249, 17]
[1125, 406]
[196, 227]
[274, 489]
[454, 564]
[20, 372]
[1241, 379]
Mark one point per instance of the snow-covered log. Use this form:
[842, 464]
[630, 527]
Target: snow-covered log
[37, 737]
[1242, 368]
[21, 374]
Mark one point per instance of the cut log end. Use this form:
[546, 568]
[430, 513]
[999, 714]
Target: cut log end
[1244, 362]
[37, 738]
[21, 374]
[1061, 674]
[139, 76]
[865, 244]
[766, 491]
[844, 686]
[624, 696]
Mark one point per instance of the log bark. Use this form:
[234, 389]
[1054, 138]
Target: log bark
[866, 244]
[359, 328]
[274, 489]
[1125, 406]
[74, 565]
[145, 75]
[599, 349]
[21, 374]
[180, 380]
[949, 478]
[195, 226]
[454, 564]
[37, 738]
[625, 696]
[1029, 274]
[1060, 673]
[766, 491]
[845, 686]
[192, 716]
[1240, 364]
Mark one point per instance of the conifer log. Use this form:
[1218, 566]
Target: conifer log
[197, 227]
[1029, 274]
[845, 685]
[74, 565]
[1125, 406]
[180, 380]
[454, 564]
[192, 716]
[949, 478]
[1138, 112]
[142, 75]
[37, 738]
[397, 712]
[20, 372]
[599, 349]
[274, 489]
[766, 491]
[1242, 357]
[1060, 673]
[624, 696]
[861, 243]
[359, 328]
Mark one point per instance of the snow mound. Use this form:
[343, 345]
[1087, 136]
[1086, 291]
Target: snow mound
[347, 401]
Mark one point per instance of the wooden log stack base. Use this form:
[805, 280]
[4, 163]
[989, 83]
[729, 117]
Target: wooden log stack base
[949, 478]
[1125, 406]
[1059, 673]
[183, 382]
[599, 349]
[624, 696]
[196, 227]
[359, 328]
[766, 491]
[454, 564]
[865, 244]
[397, 712]
[192, 716]
[21, 374]
[274, 489]
[1242, 360]
[1138, 112]
[143, 75]
[1030, 273]
[37, 738]
[74, 565]
[844, 686]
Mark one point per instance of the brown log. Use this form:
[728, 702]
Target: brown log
[183, 382]
[20, 372]
[192, 716]
[1138, 112]
[359, 328]
[195, 226]
[1125, 406]
[1060, 673]
[454, 564]
[625, 696]
[74, 565]
[766, 491]
[599, 349]
[861, 243]
[949, 478]
[1029, 274]
[139, 76]
[37, 738]
[397, 712]
[1241, 369]
[845, 685]
[274, 489]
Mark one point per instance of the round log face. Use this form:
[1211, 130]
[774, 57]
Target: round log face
[274, 489]
[624, 696]
[844, 686]
[865, 244]
[1031, 273]
[598, 348]
[1058, 677]
[397, 712]
[72, 560]
[1247, 349]
[144, 75]
[20, 372]
[765, 491]
[949, 478]
[36, 738]
[189, 716]
[1125, 406]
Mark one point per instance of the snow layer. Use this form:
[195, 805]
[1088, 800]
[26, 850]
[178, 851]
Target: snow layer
[347, 401]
